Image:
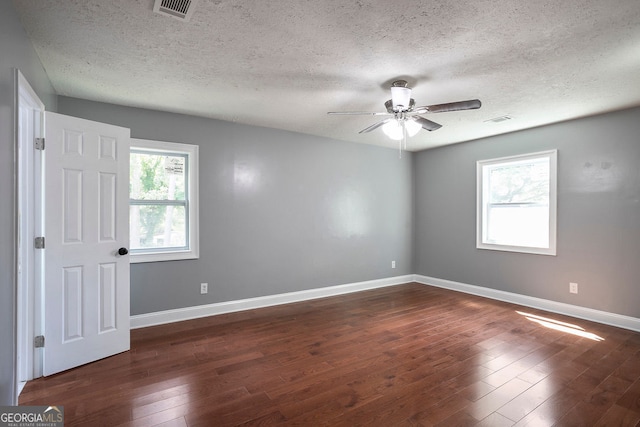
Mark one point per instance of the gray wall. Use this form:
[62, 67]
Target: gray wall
[598, 215]
[318, 212]
[16, 51]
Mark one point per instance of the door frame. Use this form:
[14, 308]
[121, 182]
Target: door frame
[28, 202]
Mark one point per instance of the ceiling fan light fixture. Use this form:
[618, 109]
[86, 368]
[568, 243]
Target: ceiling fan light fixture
[393, 129]
[412, 126]
[400, 97]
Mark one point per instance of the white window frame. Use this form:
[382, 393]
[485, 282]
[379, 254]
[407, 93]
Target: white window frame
[482, 203]
[193, 250]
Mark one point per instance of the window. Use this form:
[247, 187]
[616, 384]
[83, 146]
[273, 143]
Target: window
[517, 203]
[163, 201]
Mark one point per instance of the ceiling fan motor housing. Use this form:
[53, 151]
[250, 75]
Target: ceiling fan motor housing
[391, 108]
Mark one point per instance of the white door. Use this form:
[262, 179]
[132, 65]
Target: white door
[86, 222]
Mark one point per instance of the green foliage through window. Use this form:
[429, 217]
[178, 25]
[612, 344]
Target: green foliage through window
[158, 205]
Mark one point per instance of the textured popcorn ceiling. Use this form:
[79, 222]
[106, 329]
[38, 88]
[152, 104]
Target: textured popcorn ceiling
[285, 63]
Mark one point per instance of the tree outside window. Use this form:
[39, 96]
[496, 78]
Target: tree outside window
[160, 201]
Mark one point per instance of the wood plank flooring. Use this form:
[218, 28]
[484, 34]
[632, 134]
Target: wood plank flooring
[407, 355]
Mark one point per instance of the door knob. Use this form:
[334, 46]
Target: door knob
[123, 251]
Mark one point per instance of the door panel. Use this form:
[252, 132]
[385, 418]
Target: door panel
[86, 213]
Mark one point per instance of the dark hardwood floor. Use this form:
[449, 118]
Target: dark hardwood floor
[408, 355]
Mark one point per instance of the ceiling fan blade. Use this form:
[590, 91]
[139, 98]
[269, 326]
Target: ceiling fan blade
[427, 124]
[374, 126]
[359, 113]
[451, 106]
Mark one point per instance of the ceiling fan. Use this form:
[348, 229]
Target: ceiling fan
[406, 119]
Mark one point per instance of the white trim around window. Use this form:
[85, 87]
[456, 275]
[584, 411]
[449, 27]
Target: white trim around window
[191, 248]
[525, 222]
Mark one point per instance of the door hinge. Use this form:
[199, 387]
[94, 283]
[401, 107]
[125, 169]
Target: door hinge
[39, 242]
[39, 144]
[39, 341]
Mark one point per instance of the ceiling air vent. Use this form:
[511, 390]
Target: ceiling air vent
[499, 119]
[179, 9]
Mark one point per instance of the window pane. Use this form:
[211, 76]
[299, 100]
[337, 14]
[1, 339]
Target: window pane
[520, 182]
[518, 226]
[157, 176]
[516, 208]
[157, 226]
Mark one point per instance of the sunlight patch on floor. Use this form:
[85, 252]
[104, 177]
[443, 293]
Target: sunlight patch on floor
[560, 326]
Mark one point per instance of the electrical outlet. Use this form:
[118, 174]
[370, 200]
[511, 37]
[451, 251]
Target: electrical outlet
[573, 288]
[393, 264]
[204, 288]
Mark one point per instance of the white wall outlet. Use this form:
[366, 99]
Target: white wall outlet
[204, 288]
[573, 288]
[393, 264]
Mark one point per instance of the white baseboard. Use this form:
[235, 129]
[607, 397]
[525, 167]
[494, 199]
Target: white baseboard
[20, 386]
[612, 319]
[187, 313]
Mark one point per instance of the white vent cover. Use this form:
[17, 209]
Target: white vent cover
[499, 119]
[179, 9]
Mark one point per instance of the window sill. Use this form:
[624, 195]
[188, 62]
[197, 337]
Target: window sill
[163, 256]
[518, 249]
